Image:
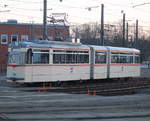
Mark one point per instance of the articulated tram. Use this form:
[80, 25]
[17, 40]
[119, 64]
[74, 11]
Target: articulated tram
[45, 61]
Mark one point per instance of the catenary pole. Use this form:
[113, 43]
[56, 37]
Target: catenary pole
[102, 24]
[123, 31]
[127, 33]
[45, 20]
[136, 34]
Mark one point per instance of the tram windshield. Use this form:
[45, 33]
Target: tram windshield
[16, 57]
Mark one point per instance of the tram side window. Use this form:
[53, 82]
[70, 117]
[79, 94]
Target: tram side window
[82, 58]
[130, 59]
[56, 58]
[114, 58]
[137, 59]
[62, 58]
[100, 57]
[40, 57]
[79, 58]
[59, 58]
[122, 59]
[69, 57]
[126, 58]
[86, 58]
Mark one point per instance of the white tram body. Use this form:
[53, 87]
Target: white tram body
[44, 61]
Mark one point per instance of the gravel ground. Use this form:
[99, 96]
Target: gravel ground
[145, 72]
[17, 105]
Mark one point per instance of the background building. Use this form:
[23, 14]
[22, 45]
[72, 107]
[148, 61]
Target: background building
[11, 31]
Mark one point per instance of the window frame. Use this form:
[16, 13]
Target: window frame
[137, 58]
[17, 57]
[39, 51]
[122, 58]
[71, 56]
[24, 36]
[2, 39]
[12, 38]
[99, 55]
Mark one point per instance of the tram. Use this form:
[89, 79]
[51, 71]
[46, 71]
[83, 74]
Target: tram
[46, 61]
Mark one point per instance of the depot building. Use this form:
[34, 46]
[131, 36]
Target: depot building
[12, 31]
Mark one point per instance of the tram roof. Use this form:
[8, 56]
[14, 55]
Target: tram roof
[49, 45]
[98, 47]
[115, 49]
[121, 49]
[65, 45]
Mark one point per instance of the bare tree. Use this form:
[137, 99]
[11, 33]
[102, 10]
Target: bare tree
[90, 34]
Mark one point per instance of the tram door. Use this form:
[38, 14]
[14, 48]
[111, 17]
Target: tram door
[92, 58]
[29, 69]
[108, 63]
[98, 63]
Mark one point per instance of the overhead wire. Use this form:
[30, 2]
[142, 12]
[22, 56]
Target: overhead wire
[117, 14]
[28, 9]
[20, 1]
[19, 14]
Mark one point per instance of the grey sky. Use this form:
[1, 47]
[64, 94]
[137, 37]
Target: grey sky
[31, 10]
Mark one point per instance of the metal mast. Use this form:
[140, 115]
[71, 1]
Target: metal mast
[45, 20]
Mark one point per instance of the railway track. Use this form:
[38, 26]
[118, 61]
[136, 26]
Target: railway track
[95, 88]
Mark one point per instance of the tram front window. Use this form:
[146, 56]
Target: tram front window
[16, 57]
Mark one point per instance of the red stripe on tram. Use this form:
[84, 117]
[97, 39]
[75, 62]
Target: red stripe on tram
[14, 65]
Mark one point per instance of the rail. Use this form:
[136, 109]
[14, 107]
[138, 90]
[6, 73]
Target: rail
[109, 88]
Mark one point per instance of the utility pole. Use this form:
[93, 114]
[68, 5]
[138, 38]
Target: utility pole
[102, 24]
[136, 34]
[123, 31]
[32, 31]
[45, 20]
[127, 34]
